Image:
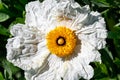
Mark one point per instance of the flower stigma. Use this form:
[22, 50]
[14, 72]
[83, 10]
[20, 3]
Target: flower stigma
[61, 41]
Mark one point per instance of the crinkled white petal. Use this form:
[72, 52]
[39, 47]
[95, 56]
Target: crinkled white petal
[50, 70]
[78, 66]
[29, 74]
[89, 53]
[16, 29]
[74, 13]
[31, 9]
[37, 15]
[23, 49]
[28, 58]
[94, 31]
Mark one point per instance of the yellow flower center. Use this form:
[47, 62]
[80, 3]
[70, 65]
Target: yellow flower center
[61, 41]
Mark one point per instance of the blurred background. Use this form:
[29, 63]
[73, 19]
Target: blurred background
[13, 11]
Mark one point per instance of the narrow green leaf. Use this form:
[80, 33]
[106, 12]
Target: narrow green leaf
[18, 20]
[100, 71]
[3, 7]
[118, 76]
[109, 53]
[117, 27]
[10, 69]
[117, 62]
[104, 69]
[105, 78]
[19, 7]
[3, 31]
[101, 3]
[1, 76]
[110, 20]
[3, 17]
[107, 59]
[23, 1]
[86, 1]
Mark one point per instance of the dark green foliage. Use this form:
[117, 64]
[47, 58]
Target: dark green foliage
[12, 12]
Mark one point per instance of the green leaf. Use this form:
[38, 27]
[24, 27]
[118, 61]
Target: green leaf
[112, 35]
[4, 8]
[118, 76]
[117, 27]
[110, 19]
[3, 17]
[107, 59]
[117, 62]
[101, 3]
[104, 69]
[106, 56]
[3, 31]
[19, 7]
[23, 1]
[18, 20]
[86, 1]
[100, 71]
[1, 76]
[106, 78]
[117, 46]
[9, 68]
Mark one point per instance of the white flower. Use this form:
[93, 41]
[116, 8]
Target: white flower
[58, 41]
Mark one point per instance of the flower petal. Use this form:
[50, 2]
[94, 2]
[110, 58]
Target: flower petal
[68, 13]
[87, 72]
[26, 58]
[31, 18]
[94, 31]
[23, 48]
[37, 15]
[79, 68]
[51, 73]
[16, 29]
[89, 53]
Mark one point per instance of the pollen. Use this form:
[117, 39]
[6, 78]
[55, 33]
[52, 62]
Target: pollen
[61, 41]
